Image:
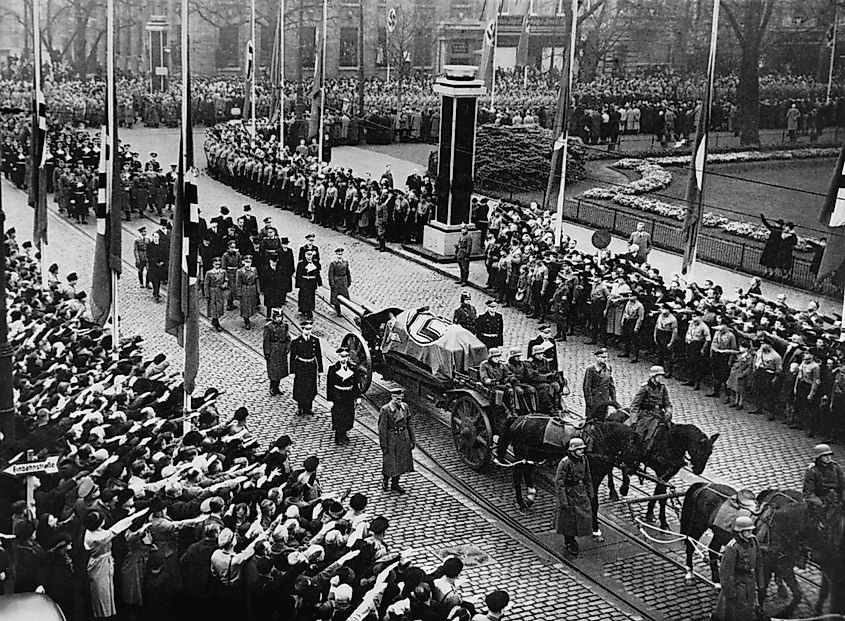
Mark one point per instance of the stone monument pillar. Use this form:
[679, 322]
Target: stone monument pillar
[459, 91]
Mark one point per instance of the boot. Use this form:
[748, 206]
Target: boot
[394, 486]
[338, 438]
[274, 388]
[384, 483]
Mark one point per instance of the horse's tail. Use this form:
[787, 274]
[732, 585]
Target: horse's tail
[690, 508]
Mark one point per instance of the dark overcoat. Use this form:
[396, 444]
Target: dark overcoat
[574, 490]
[396, 439]
[306, 363]
[342, 389]
[276, 347]
[741, 575]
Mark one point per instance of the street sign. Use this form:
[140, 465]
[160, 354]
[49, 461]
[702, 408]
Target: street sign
[48, 466]
[391, 20]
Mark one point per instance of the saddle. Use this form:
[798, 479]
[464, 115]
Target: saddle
[742, 503]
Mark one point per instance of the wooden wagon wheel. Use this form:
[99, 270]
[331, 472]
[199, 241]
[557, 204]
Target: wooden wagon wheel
[359, 355]
[471, 432]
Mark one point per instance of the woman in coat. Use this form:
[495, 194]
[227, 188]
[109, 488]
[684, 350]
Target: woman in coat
[771, 251]
[97, 543]
[574, 491]
[216, 291]
[788, 240]
[246, 285]
[133, 568]
[156, 264]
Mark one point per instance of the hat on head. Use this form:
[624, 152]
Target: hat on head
[247, 208]
[143, 229]
[601, 352]
[343, 595]
[335, 510]
[225, 537]
[656, 370]
[342, 350]
[310, 236]
[72, 276]
[397, 390]
[543, 328]
[452, 566]
[494, 351]
[268, 220]
[86, 486]
[311, 463]
[465, 295]
[284, 240]
[306, 324]
[241, 413]
[379, 525]
[490, 302]
[515, 352]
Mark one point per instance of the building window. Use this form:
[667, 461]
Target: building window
[348, 47]
[308, 45]
[460, 8]
[228, 47]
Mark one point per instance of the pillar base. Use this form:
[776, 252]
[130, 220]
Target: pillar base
[439, 241]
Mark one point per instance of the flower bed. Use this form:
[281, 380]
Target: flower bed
[655, 177]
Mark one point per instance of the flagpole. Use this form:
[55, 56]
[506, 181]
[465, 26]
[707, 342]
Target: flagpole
[110, 180]
[493, 60]
[254, 75]
[186, 396]
[36, 166]
[833, 47]
[561, 193]
[323, 85]
[282, 76]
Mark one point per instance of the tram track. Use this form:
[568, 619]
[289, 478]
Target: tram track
[634, 605]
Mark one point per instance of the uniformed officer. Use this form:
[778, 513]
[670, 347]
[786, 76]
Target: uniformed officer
[741, 575]
[463, 250]
[140, 250]
[343, 390]
[276, 347]
[466, 315]
[574, 491]
[396, 439]
[231, 262]
[651, 406]
[599, 388]
[544, 338]
[824, 484]
[309, 245]
[489, 326]
[308, 278]
[545, 380]
[526, 394]
[306, 364]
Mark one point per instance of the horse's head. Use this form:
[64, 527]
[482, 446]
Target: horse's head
[699, 448]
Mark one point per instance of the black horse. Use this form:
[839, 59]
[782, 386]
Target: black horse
[668, 454]
[798, 528]
[785, 535]
[537, 438]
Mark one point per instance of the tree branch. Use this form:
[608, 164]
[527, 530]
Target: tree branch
[726, 8]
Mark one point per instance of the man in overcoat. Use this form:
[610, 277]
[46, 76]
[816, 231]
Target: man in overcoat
[396, 439]
[574, 490]
[342, 390]
[599, 388]
[339, 279]
[277, 344]
[307, 280]
[741, 575]
[306, 364]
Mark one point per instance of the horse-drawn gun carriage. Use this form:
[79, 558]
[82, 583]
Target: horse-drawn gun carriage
[436, 359]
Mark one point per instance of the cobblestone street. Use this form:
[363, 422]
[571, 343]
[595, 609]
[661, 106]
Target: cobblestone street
[750, 453]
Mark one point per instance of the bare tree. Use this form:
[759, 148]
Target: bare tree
[749, 20]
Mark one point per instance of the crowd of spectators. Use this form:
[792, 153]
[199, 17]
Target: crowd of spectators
[155, 513]
[405, 112]
[750, 349]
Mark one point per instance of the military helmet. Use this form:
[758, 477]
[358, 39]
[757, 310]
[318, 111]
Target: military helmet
[576, 443]
[820, 450]
[743, 522]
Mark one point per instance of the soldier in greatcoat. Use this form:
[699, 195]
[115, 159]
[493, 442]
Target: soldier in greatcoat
[287, 264]
[342, 389]
[396, 439]
[463, 250]
[216, 291]
[276, 348]
[339, 279]
[246, 285]
[599, 388]
[231, 262]
[306, 364]
[741, 575]
[307, 280]
[574, 490]
[651, 407]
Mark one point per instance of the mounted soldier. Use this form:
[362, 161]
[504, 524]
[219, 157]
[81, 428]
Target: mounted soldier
[651, 407]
